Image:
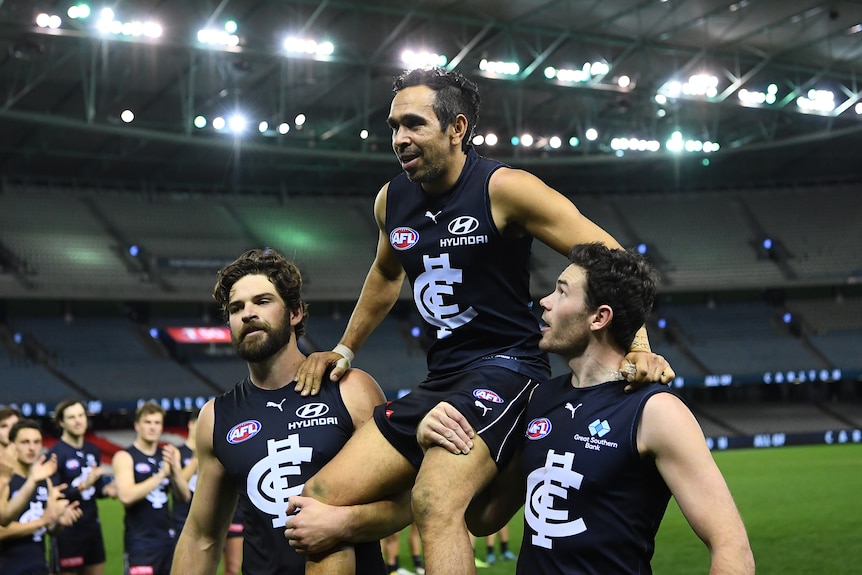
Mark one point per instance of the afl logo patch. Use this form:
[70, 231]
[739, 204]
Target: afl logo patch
[403, 238]
[312, 410]
[243, 431]
[487, 395]
[539, 428]
[72, 464]
[463, 225]
[143, 467]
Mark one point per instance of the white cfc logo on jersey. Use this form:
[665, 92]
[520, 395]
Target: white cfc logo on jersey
[428, 292]
[543, 486]
[267, 484]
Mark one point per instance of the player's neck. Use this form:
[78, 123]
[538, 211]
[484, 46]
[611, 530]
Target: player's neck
[146, 447]
[277, 371]
[449, 178]
[595, 367]
[76, 441]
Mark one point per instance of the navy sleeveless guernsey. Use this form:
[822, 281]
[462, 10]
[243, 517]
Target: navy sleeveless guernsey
[270, 442]
[26, 555]
[148, 522]
[470, 284]
[593, 505]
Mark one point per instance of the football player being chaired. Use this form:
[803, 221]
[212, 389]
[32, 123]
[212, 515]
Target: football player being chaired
[261, 441]
[599, 465]
[460, 226]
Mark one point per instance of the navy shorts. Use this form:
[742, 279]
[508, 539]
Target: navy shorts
[150, 561]
[492, 398]
[77, 546]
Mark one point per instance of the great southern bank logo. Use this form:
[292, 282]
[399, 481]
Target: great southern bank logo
[600, 427]
[403, 238]
[243, 431]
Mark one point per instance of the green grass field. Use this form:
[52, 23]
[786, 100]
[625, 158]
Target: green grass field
[802, 507]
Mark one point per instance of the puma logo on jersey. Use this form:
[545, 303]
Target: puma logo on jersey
[278, 405]
[485, 408]
[433, 217]
[573, 408]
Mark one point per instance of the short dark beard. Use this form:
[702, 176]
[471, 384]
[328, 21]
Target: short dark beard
[275, 341]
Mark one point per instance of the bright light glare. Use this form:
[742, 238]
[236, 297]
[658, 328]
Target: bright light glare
[624, 81]
[218, 123]
[230, 27]
[237, 124]
[491, 139]
[526, 140]
[555, 142]
[48, 21]
[478, 140]
[299, 120]
[591, 134]
[307, 46]
[363, 134]
[422, 59]
[263, 126]
[127, 116]
[200, 122]
[283, 128]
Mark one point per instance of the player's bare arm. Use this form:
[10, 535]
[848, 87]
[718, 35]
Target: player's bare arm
[522, 202]
[129, 492]
[199, 548]
[379, 293]
[319, 526]
[670, 433]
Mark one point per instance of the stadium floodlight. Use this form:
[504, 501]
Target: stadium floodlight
[574, 141]
[478, 140]
[218, 123]
[515, 140]
[423, 59]
[527, 140]
[555, 142]
[237, 123]
[263, 126]
[499, 68]
[200, 122]
[44, 20]
[816, 102]
[299, 120]
[491, 139]
[363, 134]
[127, 116]
[307, 46]
[78, 12]
[283, 128]
[591, 134]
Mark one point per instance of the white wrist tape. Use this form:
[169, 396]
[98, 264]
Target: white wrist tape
[347, 355]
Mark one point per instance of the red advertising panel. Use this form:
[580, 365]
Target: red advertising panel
[218, 334]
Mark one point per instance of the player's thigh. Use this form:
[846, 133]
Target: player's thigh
[368, 468]
[450, 481]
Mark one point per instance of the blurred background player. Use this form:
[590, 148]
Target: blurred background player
[22, 541]
[80, 548]
[145, 477]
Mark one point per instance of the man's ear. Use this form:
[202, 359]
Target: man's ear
[295, 316]
[602, 317]
[458, 130]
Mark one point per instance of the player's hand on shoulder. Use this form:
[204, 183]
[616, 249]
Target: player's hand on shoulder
[446, 427]
[643, 367]
[311, 372]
